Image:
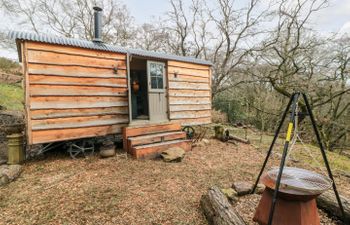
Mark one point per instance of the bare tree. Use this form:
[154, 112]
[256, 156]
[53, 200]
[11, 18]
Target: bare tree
[186, 25]
[333, 97]
[261, 51]
[288, 49]
[232, 53]
[296, 59]
[221, 33]
[73, 18]
[152, 36]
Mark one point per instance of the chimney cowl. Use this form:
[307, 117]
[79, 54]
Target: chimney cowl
[97, 24]
[96, 8]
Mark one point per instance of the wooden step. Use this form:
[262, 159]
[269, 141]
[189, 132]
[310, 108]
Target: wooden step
[152, 151]
[151, 129]
[133, 131]
[155, 138]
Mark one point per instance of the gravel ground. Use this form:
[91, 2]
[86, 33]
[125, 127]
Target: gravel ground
[119, 190]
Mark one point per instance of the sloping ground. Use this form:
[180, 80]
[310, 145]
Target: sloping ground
[11, 92]
[8, 78]
[59, 190]
[11, 97]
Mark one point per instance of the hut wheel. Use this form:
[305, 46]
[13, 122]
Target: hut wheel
[189, 132]
[81, 147]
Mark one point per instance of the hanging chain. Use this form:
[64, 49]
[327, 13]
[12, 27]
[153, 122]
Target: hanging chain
[296, 137]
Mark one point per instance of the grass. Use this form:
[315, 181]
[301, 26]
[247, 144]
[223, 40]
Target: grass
[336, 161]
[11, 96]
[307, 153]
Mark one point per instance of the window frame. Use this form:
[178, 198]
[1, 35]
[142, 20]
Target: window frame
[150, 77]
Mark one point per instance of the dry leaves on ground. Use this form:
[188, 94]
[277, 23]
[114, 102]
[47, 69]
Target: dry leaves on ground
[59, 190]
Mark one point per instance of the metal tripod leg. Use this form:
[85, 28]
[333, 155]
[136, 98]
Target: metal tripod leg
[284, 156]
[324, 156]
[273, 143]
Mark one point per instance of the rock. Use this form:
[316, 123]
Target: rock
[230, 194]
[205, 141]
[4, 179]
[242, 188]
[11, 171]
[14, 171]
[107, 148]
[174, 154]
[108, 143]
[104, 153]
[259, 189]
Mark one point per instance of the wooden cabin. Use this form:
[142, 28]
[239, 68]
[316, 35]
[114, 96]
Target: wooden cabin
[78, 89]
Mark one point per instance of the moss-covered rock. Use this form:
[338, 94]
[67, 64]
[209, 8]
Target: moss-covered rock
[230, 193]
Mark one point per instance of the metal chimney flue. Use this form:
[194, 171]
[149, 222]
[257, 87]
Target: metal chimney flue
[97, 24]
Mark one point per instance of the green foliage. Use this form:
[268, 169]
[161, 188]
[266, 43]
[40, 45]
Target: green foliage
[9, 66]
[11, 96]
[232, 107]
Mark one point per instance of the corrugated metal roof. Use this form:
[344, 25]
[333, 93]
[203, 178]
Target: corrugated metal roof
[21, 35]
[160, 55]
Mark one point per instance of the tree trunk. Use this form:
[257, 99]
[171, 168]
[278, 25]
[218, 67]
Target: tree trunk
[221, 133]
[218, 210]
[235, 138]
[328, 202]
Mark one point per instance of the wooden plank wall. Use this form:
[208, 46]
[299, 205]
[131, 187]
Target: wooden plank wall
[189, 93]
[73, 92]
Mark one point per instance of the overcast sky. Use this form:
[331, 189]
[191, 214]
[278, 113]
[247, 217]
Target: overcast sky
[332, 19]
[335, 18]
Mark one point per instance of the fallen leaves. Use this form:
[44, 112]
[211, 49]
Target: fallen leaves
[120, 190]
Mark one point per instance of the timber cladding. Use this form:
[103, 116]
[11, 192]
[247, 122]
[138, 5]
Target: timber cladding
[189, 93]
[73, 92]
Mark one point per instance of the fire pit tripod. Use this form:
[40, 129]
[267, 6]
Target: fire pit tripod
[276, 182]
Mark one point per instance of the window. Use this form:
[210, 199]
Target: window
[156, 75]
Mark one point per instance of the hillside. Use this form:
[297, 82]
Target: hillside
[11, 92]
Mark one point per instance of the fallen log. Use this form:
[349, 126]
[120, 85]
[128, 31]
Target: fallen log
[218, 210]
[328, 202]
[235, 138]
